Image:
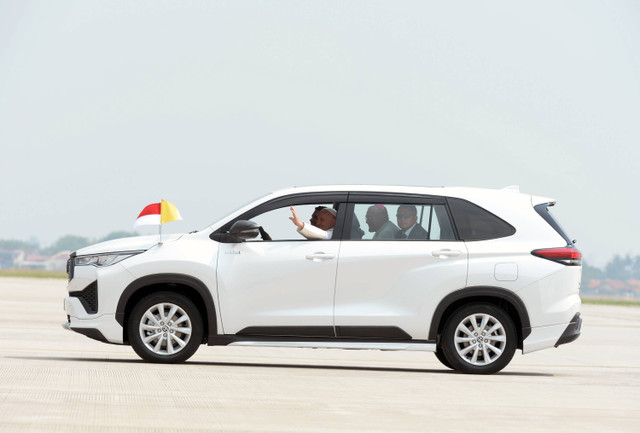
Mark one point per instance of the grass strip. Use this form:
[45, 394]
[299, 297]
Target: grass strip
[611, 301]
[31, 273]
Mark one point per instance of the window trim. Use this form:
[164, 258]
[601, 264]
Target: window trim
[394, 198]
[292, 200]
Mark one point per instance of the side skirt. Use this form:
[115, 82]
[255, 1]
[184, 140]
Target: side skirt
[322, 343]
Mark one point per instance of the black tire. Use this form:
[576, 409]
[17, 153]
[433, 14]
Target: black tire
[155, 337]
[442, 358]
[477, 352]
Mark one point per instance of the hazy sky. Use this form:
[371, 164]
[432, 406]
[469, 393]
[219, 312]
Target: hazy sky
[108, 106]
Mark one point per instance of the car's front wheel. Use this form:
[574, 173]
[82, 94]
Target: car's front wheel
[165, 327]
[442, 358]
[479, 338]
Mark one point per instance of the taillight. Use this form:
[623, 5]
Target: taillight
[568, 255]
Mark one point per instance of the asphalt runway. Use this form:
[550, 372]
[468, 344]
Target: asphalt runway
[52, 380]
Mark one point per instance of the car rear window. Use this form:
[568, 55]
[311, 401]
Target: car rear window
[477, 224]
[543, 210]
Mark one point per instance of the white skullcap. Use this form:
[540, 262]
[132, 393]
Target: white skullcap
[330, 210]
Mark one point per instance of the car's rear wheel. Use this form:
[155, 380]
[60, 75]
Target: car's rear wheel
[479, 338]
[165, 327]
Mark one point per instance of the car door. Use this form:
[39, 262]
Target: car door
[283, 286]
[387, 287]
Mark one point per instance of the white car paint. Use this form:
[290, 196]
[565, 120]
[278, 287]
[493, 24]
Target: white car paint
[344, 283]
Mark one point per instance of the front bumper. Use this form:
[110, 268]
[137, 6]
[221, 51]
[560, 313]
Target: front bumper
[102, 327]
[88, 332]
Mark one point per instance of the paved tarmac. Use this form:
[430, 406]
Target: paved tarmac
[52, 380]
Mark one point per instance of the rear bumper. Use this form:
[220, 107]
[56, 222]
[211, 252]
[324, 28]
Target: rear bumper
[572, 332]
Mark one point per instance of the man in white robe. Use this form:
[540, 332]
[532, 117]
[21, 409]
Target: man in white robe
[324, 228]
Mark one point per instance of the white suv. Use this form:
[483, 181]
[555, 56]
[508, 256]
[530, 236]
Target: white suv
[481, 273]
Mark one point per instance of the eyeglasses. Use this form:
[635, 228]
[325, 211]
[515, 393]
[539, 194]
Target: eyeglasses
[403, 216]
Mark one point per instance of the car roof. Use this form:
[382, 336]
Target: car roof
[508, 197]
[364, 188]
[452, 191]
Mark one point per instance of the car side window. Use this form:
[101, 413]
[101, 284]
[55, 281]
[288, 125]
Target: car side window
[279, 227]
[476, 224]
[394, 221]
[440, 227]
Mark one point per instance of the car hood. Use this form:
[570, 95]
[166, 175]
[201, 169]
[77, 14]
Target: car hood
[138, 243]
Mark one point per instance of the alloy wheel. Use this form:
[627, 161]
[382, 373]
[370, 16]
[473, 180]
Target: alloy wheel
[480, 339]
[165, 328]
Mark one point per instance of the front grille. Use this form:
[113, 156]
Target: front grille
[88, 297]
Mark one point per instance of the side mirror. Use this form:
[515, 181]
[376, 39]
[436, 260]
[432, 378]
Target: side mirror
[242, 230]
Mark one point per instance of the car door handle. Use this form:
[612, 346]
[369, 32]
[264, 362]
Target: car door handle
[320, 256]
[443, 254]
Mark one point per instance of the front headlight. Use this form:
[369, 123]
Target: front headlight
[101, 260]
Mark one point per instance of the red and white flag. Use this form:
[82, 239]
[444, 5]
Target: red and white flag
[157, 213]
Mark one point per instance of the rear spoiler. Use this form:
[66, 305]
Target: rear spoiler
[535, 201]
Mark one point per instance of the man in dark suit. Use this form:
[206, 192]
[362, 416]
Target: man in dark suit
[408, 222]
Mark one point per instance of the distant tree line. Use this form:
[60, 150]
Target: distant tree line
[623, 268]
[65, 243]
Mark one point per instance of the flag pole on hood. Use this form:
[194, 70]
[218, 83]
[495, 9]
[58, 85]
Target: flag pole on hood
[158, 214]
